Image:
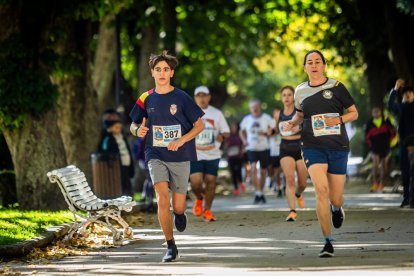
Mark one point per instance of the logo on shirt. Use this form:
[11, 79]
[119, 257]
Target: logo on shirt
[173, 109]
[327, 94]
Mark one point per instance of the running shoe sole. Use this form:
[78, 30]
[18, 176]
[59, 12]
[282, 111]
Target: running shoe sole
[327, 251]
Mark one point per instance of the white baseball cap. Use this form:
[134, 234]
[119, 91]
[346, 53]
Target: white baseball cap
[201, 89]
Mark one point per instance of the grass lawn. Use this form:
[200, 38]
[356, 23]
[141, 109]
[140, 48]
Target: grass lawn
[17, 225]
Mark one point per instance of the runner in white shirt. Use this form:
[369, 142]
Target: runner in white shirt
[275, 171]
[208, 144]
[255, 130]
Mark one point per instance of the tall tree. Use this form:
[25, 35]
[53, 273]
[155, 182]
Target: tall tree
[104, 64]
[78, 104]
[28, 116]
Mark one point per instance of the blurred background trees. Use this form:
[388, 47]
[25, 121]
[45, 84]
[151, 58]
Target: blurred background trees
[63, 62]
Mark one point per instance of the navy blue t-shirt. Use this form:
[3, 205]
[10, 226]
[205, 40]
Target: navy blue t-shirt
[169, 116]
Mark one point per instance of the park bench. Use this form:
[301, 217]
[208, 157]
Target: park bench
[81, 199]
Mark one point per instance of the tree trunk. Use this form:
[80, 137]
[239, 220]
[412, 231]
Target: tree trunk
[170, 25]
[379, 70]
[399, 28]
[37, 148]
[104, 65]
[148, 46]
[78, 106]
[7, 178]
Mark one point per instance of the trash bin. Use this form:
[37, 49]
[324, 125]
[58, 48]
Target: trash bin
[106, 170]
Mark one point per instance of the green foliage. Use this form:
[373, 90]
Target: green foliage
[406, 6]
[23, 89]
[16, 225]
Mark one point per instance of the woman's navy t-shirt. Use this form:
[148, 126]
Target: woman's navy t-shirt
[169, 116]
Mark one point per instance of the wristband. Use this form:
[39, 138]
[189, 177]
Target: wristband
[136, 131]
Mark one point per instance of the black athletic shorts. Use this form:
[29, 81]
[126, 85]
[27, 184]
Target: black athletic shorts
[259, 156]
[291, 148]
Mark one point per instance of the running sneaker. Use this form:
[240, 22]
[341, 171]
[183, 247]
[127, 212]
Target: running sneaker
[327, 251]
[180, 222]
[373, 188]
[236, 192]
[257, 199]
[301, 201]
[198, 207]
[292, 216]
[208, 216]
[242, 186]
[337, 217]
[263, 199]
[171, 254]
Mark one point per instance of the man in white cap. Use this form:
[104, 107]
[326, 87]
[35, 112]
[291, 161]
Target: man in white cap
[208, 142]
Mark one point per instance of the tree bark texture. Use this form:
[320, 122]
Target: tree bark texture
[78, 105]
[104, 65]
[147, 47]
[399, 28]
[380, 71]
[170, 25]
[37, 148]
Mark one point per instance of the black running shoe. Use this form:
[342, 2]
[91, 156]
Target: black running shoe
[327, 250]
[171, 254]
[180, 222]
[263, 199]
[256, 199]
[405, 203]
[337, 217]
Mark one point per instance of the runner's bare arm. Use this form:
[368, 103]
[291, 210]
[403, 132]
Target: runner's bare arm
[296, 120]
[197, 128]
[351, 115]
[276, 116]
[222, 136]
[140, 130]
[243, 137]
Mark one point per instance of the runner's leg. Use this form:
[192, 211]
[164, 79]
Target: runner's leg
[210, 190]
[302, 176]
[196, 180]
[164, 215]
[288, 166]
[336, 189]
[318, 173]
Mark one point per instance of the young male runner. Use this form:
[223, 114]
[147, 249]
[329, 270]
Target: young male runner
[208, 144]
[170, 120]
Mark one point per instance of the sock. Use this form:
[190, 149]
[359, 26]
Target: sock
[328, 239]
[259, 193]
[170, 243]
[335, 208]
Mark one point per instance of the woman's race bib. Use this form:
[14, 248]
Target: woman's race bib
[163, 135]
[319, 127]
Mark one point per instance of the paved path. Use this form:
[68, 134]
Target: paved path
[377, 238]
